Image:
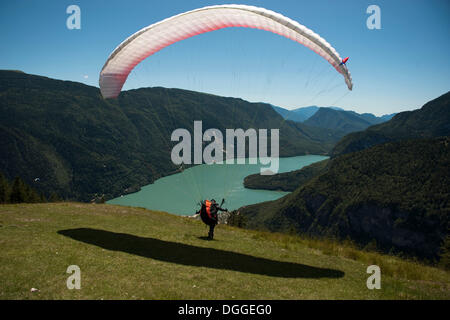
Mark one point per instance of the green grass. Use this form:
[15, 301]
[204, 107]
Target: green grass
[132, 253]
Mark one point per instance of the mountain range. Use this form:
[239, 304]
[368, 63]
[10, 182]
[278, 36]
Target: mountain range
[432, 120]
[389, 184]
[334, 118]
[63, 137]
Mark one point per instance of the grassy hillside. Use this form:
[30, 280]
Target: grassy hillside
[432, 120]
[132, 253]
[396, 194]
[82, 146]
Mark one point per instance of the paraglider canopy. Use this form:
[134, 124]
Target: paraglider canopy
[157, 36]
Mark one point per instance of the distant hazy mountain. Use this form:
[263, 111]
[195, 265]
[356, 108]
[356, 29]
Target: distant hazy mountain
[299, 114]
[346, 121]
[290, 114]
[303, 114]
[432, 120]
[388, 117]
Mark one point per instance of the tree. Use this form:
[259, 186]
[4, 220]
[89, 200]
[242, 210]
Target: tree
[4, 189]
[445, 254]
[18, 191]
[42, 197]
[31, 195]
[54, 197]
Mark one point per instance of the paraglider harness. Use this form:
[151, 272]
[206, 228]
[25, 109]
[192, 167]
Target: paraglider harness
[209, 214]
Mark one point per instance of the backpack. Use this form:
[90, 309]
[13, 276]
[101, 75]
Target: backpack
[205, 213]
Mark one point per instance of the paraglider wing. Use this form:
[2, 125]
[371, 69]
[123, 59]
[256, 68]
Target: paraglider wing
[157, 36]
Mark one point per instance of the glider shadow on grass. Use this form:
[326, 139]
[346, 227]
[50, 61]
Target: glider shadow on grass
[190, 255]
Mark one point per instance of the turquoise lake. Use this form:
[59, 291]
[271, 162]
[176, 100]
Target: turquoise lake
[181, 192]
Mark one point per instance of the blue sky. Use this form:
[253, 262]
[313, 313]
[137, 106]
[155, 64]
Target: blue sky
[399, 67]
